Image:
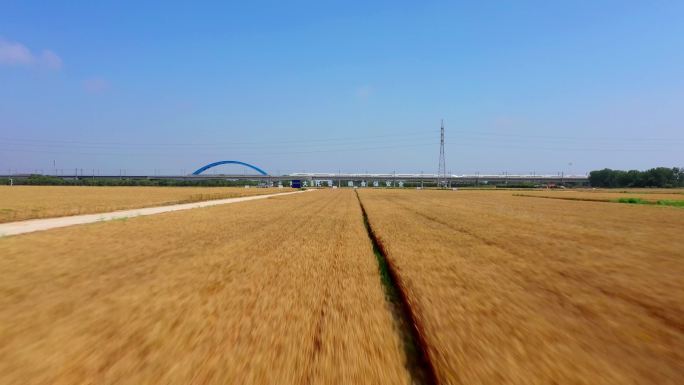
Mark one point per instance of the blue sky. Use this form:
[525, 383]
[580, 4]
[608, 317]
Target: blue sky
[523, 86]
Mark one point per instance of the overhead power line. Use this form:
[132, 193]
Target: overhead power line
[214, 144]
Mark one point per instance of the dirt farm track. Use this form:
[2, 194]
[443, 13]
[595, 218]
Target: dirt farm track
[345, 286]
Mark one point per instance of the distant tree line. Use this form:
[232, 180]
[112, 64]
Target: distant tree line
[47, 180]
[655, 177]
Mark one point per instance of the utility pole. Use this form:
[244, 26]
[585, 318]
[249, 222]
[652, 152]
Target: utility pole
[441, 172]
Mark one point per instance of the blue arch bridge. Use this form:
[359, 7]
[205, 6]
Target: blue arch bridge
[210, 165]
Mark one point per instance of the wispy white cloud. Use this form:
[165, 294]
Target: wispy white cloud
[14, 53]
[95, 85]
[17, 54]
[50, 60]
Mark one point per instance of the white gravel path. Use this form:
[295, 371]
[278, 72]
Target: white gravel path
[29, 226]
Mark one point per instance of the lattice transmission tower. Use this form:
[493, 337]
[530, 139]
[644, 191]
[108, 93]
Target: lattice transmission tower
[441, 173]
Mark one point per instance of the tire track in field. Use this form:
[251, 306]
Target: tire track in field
[412, 332]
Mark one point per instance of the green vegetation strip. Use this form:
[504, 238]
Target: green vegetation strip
[630, 200]
[418, 362]
[640, 201]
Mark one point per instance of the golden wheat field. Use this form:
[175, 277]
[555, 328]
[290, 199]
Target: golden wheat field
[30, 202]
[280, 291]
[517, 290]
[499, 289]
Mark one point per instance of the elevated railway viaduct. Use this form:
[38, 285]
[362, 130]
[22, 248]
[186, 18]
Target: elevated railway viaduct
[358, 180]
